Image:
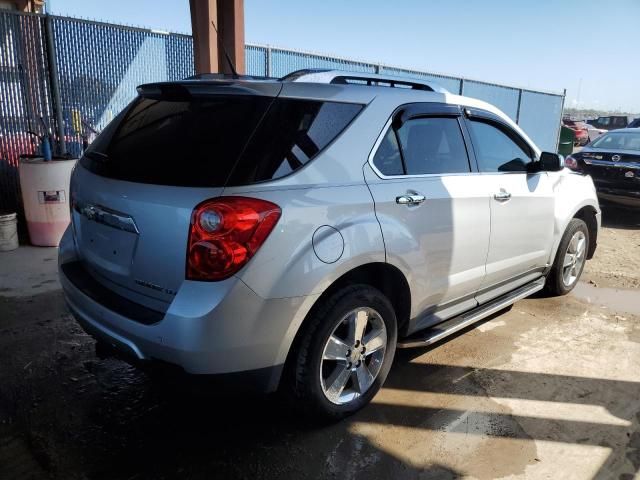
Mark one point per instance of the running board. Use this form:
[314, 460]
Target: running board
[455, 324]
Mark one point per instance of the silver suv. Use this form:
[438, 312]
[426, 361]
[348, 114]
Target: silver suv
[291, 234]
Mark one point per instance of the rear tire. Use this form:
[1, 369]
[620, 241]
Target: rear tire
[570, 259]
[344, 354]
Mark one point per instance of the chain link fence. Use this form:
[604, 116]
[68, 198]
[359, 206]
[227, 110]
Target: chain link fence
[26, 105]
[72, 76]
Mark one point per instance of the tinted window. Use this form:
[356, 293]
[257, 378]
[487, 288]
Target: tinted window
[433, 145]
[292, 133]
[387, 158]
[215, 140]
[495, 150]
[619, 121]
[192, 142]
[618, 141]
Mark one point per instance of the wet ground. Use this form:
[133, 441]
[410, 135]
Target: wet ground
[549, 389]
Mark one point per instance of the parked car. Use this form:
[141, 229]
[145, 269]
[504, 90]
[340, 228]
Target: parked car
[291, 234]
[634, 124]
[611, 122]
[580, 129]
[594, 132]
[613, 161]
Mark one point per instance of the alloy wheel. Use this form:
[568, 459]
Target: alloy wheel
[574, 258]
[353, 355]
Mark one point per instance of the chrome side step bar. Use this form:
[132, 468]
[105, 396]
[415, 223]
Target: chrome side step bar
[455, 324]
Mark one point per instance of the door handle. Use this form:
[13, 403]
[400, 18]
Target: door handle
[410, 199]
[502, 196]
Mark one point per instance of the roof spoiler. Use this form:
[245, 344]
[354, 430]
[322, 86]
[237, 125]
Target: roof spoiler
[189, 88]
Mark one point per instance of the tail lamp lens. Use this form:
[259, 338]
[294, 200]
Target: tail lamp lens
[225, 233]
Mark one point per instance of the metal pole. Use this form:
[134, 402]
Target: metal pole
[564, 96]
[267, 61]
[519, 103]
[461, 86]
[55, 86]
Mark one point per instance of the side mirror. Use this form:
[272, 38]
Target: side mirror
[551, 162]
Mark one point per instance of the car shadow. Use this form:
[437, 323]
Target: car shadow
[102, 419]
[619, 217]
[163, 433]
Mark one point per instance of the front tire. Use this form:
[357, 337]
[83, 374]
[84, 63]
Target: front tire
[570, 259]
[345, 353]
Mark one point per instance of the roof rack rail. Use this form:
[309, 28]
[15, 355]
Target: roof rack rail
[226, 76]
[321, 75]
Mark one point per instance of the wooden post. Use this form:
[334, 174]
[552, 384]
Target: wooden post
[228, 15]
[32, 6]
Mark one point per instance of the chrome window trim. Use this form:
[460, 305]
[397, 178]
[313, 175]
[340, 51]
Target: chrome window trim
[381, 136]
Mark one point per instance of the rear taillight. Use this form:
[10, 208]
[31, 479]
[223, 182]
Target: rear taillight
[225, 233]
[571, 162]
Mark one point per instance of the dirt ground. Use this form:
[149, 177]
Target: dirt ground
[617, 262]
[549, 389]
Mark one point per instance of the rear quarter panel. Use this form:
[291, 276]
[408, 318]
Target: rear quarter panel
[287, 264]
[287, 267]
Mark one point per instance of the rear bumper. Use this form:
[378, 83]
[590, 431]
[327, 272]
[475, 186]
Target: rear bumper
[210, 328]
[628, 198]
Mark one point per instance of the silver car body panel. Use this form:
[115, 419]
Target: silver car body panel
[424, 242]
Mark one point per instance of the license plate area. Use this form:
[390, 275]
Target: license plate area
[625, 175]
[108, 249]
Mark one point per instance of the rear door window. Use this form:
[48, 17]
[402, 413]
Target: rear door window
[388, 159]
[433, 145]
[208, 140]
[422, 146]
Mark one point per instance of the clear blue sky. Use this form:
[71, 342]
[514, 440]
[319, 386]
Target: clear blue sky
[589, 47]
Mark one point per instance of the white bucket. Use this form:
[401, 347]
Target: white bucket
[8, 232]
[45, 195]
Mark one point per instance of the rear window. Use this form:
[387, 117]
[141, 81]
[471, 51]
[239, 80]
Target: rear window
[618, 141]
[215, 140]
[619, 121]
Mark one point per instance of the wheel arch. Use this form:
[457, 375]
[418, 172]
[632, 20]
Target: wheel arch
[382, 276]
[588, 214]
[587, 211]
